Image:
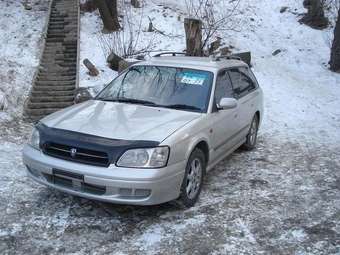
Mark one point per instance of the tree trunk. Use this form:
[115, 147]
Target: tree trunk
[108, 13]
[335, 52]
[112, 4]
[315, 17]
[193, 33]
[135, 3]
[88, 6]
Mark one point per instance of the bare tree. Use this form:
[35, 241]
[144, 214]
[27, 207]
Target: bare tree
[315, 17]
[335, 51]
[127, 42]
[216, 15]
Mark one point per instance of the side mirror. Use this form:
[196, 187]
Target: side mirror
[227, 103]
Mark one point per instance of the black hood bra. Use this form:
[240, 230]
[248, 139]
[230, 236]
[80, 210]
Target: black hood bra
[88, 144]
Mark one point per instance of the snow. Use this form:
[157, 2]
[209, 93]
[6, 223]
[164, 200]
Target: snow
[282, 198]
[20, 45]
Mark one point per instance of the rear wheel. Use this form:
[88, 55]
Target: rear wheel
[252, 134]
[193, 179]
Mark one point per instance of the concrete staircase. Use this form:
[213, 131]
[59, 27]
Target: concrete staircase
[56, 79]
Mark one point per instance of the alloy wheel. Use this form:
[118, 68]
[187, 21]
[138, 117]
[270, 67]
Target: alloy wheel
[194, 178]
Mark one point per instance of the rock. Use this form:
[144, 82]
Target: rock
[283, 9]
[113, 60]
[82, 95]
[278, 51]
[27, 6]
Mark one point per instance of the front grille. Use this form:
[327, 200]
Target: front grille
[80, 155]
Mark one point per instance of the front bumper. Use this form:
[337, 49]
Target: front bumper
[112, 184]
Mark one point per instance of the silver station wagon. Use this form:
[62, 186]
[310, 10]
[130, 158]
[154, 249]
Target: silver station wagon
[152, 134]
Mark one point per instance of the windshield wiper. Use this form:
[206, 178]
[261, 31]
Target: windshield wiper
[182, 107]
[127, 100]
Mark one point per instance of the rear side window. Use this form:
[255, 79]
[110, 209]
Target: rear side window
[250, 74]
[223, 87]
[242, 83]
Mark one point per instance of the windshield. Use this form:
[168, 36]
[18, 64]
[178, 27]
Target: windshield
[170, 87]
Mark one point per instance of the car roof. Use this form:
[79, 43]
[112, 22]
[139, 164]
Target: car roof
[204, 63]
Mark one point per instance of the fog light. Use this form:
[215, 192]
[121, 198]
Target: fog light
[34, 172]
[142, 192]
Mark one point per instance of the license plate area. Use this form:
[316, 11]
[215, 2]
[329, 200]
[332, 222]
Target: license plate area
[74, 181]
[67, 175]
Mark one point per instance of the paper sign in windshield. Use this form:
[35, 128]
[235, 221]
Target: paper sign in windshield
[193, 78]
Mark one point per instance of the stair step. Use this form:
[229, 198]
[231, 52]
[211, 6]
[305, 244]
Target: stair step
[39, 113]
[56, 78]
[57, 73]
[45, 105]
[53, 88]
[42, 99]
[52, 93]
[59, 76]
[54, 83]
[60, 62]
[56, 69]
[60, 51]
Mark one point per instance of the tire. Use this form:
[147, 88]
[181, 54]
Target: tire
[193, 179]
[250, 143]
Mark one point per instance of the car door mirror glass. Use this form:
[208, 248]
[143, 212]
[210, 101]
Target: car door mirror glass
[227, 103]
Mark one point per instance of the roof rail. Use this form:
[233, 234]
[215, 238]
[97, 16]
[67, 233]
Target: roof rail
[173, 53]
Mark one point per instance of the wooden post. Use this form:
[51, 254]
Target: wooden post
[193, 33]
[93, 71]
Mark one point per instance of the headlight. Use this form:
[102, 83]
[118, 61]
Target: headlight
[35, 139]
[145, 158]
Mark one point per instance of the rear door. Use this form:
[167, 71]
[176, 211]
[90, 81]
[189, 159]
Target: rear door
[225, 123]
[245, 91]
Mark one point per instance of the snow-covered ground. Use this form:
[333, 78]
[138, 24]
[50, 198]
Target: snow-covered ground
[20, 44]
[282, 198]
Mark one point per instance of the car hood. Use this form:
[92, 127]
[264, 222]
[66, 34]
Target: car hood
[120, 120]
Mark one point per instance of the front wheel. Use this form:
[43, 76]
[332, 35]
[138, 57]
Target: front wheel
[252, 134]
[193, 179]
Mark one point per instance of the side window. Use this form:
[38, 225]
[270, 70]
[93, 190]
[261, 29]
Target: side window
[223, 87]
[242, 84]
